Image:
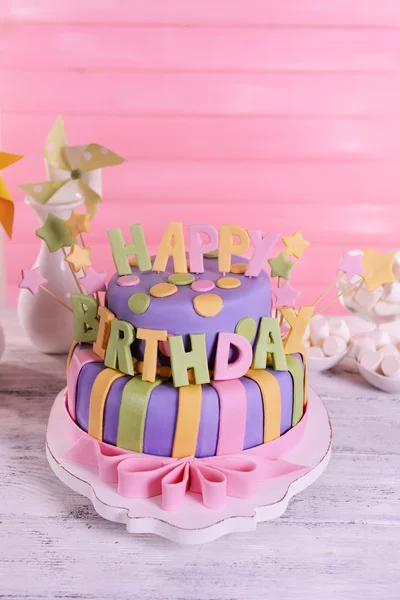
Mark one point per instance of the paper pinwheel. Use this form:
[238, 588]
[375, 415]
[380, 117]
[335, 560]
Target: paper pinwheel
[6, 203]
[72, 170]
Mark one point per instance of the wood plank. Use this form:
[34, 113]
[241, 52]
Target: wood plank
[107, 47]
[82, 92]
[235, 182]
[229, 138]
[323, 224]
[253, 12]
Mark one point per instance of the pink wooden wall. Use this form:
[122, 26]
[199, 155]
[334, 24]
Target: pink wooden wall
[283, 114]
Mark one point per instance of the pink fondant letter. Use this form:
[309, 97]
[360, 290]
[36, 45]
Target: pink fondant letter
[262, 247]
[224, 370]
[197, 247]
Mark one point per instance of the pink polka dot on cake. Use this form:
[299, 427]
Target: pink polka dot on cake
[203, 285]
[128, 280]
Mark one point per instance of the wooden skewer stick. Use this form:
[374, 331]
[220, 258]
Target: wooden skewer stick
[55, 298]
[73, 272]
[328, 289]
[352, 287]
[82, 240]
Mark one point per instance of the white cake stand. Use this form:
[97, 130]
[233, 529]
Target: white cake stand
[193, 523]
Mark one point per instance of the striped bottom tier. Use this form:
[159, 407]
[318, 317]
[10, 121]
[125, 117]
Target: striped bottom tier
[197, 420]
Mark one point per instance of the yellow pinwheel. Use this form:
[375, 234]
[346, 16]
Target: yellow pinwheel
[72, 171]
[6, 202]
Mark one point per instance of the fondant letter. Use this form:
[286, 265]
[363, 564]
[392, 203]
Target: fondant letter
[121, 251]
[105, 318]
[197, 247]
[196, 359]
[86, 325]
[224, 370]
[262, 247]
[269, 341]
[172, 244]
[227, 247]
[151, 337]
[118, 354]
[298, 323]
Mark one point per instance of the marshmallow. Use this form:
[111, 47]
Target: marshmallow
[391, 292]
[315, 352]
[367, 300]
[333, 345]
[386, 309]
[380, 338]
[371, 360]
[339, 328]
[363, 345]
[319, 330]
[390, 350]
[307, 332]
[391, 366]
[306, 343]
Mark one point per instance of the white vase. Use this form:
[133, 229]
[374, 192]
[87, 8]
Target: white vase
[47, 323]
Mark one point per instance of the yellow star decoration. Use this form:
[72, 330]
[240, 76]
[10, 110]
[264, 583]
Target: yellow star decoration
[378, 267]
[6, 202]
[79, 257]
[78, 223]
[295, 244]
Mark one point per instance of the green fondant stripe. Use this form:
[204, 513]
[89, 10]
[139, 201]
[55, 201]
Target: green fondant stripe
[133, 411]
[296, 371]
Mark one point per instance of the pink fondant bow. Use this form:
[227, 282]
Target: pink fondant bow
[144, 476]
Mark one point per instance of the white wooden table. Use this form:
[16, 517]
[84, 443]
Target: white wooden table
[339, 539]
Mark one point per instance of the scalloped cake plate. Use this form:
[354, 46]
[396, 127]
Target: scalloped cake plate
[193, 523]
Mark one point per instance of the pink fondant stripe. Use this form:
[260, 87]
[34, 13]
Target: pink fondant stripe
[232, 417]
[79, 359]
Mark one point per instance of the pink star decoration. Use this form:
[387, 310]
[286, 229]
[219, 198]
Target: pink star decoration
[285, 295]
[32, 279]
[351, 264]
[93, 281]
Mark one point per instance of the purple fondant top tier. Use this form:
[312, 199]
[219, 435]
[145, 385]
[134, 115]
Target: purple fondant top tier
[176, 313]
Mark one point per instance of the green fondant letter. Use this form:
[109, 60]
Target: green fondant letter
[118, 354]
[196, 359]
[86, 324]
[121, 251]
[269, 341]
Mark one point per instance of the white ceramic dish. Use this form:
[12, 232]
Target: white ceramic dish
[387, 384]
[317, 365]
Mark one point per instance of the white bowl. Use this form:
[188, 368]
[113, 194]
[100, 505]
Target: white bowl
[387, 384]
[323, 363]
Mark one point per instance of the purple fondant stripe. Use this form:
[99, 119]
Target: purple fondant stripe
[79, 359]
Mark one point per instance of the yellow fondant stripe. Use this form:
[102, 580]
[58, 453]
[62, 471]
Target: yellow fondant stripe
[70, 353]
[98, 399]
[188, 421]
[133, 412]
[296, 371]
[271, 396]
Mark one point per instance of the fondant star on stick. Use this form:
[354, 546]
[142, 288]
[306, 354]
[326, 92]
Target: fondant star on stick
[6, 202]
[378, 268]
[280, 266]
[351, 265]
[286, 295]
[295, 244]
[55, 233]
[33, 280]
[79, 258]
[78, 223]
[94, 281]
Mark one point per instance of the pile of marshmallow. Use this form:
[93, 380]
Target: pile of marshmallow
[377, 353]
[382, 304]
[325, 337]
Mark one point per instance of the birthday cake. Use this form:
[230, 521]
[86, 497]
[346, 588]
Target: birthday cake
[184, 360]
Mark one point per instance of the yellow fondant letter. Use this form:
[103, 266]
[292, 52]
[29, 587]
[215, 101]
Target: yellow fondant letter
[172, 244]
[151, 337]
[227, 245]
